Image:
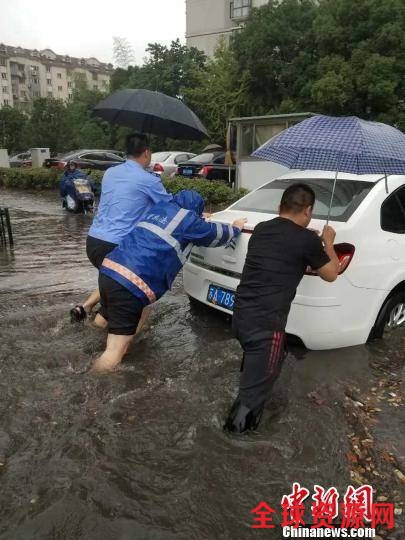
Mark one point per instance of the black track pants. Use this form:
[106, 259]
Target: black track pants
[263, 357]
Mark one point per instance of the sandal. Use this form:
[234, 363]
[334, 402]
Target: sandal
[78, 314]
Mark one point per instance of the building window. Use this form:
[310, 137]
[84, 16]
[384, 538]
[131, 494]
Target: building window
[95, 76]
[3, 62]
[4, 75]
[5, 89]
[59, 75]
[70, 97]
[6, 102]
[95, 87]
[70, 85]
[49, 94]
[48, 69]
[240, 9]
[34, 68]
[36, 94]
[105, 83]
[49, 82]
[60, 88]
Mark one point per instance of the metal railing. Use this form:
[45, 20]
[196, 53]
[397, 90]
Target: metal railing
[6, 233]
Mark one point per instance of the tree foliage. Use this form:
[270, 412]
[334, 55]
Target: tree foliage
[12, 129]
[122, 52]
[331, 56]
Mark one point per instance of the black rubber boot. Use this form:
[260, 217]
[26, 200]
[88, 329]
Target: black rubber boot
[241, 419]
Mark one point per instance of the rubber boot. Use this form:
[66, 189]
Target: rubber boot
[241, 419]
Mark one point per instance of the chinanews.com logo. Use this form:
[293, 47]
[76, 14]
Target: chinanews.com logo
[356, 516]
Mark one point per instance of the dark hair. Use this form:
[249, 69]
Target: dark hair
[136, 144]
[296, 198]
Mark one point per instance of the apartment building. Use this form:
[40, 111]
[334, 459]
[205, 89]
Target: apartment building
[26, 74]
[208, 20]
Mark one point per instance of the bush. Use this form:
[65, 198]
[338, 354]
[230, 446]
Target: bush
[28, 178]
[214, 193]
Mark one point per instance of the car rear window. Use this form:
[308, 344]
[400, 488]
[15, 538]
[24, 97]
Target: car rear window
[160, 156]
[203, 158]
[347, 197]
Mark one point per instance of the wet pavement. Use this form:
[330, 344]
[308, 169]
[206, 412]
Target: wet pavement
[140, 453]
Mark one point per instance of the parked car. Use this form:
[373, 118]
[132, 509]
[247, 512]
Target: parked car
[368, 298]
[21, 160]
[166, 162]
[88, 159]
[210, 165]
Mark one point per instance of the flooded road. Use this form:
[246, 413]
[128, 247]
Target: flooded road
[140, 454]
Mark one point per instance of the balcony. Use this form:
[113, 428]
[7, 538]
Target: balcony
[240, 10]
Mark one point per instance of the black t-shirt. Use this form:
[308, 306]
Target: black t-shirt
[278, 254]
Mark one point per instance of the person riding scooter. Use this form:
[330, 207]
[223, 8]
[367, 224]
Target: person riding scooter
[76, 190]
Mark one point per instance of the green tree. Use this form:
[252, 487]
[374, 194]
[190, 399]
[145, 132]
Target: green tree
[274, 53]
[218, 93]
[12, 129]
[87, 131]
[170, 69]
[329, 56]
[48, 125]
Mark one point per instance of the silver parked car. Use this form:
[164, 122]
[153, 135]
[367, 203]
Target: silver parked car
[166, 162]
[21, 160]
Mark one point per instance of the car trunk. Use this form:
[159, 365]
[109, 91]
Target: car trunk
[231, 261]
[189, 169]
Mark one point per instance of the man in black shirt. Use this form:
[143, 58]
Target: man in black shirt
[279, 252]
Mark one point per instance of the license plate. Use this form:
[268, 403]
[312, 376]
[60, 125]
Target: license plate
[188, 172]
[221, 297]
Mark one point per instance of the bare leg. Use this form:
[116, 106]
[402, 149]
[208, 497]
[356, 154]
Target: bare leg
[142, 321]
[91, 301]
[115, 350]
[100, 322]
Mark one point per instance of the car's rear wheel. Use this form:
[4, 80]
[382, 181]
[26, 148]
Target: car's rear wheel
[391, 316]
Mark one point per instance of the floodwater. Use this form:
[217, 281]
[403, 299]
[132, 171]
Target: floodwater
[140, 454]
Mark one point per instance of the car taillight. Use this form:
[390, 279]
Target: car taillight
[158, 167]
[177, 170]
[344, 253]
[205, 170]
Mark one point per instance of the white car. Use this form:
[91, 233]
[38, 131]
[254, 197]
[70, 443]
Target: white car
[368, 297]
[166, 162]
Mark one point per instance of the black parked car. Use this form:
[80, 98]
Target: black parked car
[88, 159]
[210, 165]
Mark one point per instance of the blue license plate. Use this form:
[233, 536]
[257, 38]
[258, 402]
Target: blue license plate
[188, 172]
[221, 297]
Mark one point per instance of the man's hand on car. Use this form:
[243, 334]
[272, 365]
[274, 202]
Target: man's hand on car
[239, 223]
[328, 235]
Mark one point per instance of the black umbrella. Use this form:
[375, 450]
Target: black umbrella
[151, 112]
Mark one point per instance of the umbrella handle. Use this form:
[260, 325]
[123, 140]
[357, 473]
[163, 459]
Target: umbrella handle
[331, 199]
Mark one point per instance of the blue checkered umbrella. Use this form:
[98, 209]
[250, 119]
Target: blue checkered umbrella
[345, 144]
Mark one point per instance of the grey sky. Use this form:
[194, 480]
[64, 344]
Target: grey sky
[86, 27]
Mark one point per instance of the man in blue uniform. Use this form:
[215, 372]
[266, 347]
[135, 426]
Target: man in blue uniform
[144, 265]
[127, 193]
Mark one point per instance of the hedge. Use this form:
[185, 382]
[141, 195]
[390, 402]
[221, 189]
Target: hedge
[215, 193]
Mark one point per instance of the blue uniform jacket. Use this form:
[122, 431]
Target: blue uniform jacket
[149, 258]
[67, 186]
